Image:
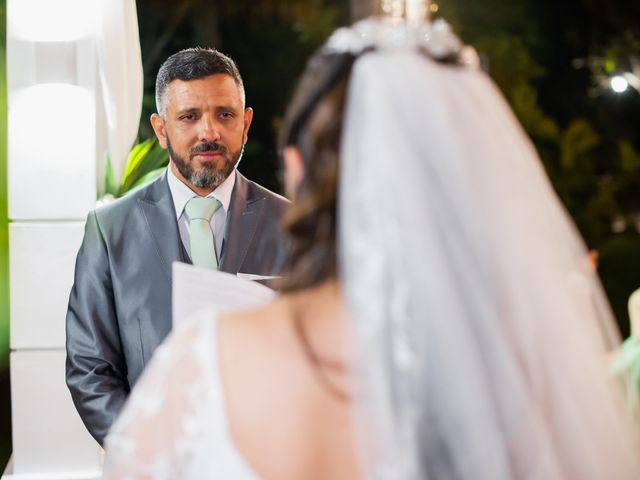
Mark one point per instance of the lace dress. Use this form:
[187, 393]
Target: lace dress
[174, 424]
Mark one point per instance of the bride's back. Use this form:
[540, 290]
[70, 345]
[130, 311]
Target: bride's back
[290, 417]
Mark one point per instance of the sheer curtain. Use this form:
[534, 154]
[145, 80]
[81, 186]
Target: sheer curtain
[121, 77]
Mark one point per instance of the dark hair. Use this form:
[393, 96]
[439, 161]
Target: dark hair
[313, 123]
[193, 64]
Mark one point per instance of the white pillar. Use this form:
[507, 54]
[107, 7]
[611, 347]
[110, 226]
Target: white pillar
[52, 148]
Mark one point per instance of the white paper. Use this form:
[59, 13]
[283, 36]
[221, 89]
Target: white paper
[251, 276]
[195, 288]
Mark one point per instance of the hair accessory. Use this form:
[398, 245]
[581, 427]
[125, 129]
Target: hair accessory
[436, 39]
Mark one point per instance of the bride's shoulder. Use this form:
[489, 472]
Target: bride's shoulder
[257, 328]
[269, 316]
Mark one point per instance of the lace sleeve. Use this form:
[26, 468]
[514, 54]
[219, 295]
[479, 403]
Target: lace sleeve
[160, 425]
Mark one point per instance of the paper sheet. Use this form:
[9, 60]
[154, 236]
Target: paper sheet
[197, 288]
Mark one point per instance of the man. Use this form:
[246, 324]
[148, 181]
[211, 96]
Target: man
[120, 304]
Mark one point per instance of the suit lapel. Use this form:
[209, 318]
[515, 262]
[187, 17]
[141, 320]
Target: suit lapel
[242, 219]
[160, 217]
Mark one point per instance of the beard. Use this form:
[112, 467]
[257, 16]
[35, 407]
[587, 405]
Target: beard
[208, 175]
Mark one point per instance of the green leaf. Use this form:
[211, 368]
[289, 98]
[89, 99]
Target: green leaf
[147, 178]
[609, 66]
[109, 180]
[578, 139]
[524, 100]
[629, 158]
[134, 161]
[144, 158]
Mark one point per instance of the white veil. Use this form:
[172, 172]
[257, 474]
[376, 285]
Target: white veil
[481, 329]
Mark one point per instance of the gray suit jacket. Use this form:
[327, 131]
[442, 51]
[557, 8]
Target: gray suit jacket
[120, 303]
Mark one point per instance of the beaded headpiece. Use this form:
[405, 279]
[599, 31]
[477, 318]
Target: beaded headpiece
[404, 24]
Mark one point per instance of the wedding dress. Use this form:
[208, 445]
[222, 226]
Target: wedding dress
[174, 426]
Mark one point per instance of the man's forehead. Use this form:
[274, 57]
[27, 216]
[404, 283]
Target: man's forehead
[212, 88]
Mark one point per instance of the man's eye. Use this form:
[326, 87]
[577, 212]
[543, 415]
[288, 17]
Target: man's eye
[226, 115]
[189, 116]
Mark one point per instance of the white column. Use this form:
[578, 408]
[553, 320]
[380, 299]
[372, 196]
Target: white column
[52, 83]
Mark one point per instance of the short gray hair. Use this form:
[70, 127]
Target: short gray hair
[193, 64]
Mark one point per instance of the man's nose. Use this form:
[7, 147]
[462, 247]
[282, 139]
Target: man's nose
[209, 129]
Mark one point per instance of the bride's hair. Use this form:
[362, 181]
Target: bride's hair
[313, 124]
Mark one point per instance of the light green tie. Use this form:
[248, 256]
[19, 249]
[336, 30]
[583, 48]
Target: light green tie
[203, 248]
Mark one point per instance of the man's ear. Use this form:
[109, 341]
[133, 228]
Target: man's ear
[293, 170]
[157, 123]
[248, 116]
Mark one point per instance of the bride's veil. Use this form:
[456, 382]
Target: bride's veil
[481, 329]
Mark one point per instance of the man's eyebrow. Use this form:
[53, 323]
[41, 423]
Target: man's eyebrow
[188, 110]
[226, 108]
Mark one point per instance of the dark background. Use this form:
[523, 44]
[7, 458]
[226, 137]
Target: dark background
[551, 59]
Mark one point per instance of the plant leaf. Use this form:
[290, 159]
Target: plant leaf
[147, 178]
[144, 158]
[136, 156]
[109, 180]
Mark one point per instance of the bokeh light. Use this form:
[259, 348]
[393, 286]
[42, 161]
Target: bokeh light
[619, 84]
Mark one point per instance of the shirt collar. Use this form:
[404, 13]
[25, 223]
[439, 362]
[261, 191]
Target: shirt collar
[181, 193]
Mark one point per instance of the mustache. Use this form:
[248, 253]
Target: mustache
[208, 147]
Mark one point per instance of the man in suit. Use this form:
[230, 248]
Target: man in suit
[120, 304]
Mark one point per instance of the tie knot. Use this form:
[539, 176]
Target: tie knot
[201, 207]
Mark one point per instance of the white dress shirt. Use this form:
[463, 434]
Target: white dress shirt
[181, 194]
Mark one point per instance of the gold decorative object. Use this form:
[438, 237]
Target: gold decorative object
[411, 11]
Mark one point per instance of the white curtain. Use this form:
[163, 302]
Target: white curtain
[121, 78]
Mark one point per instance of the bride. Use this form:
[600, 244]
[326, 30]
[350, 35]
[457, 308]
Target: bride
[439, 320]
